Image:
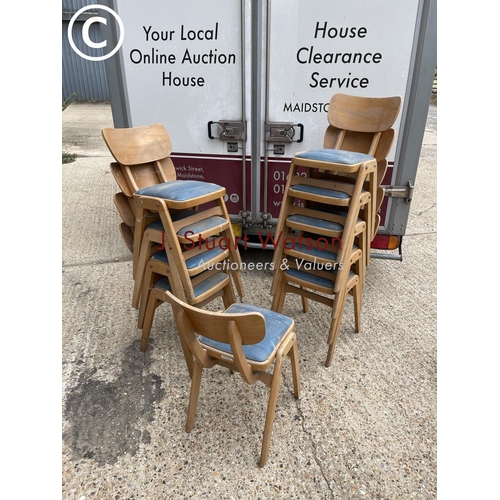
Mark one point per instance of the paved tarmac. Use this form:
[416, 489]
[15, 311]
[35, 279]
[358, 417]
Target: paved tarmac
[364, 428]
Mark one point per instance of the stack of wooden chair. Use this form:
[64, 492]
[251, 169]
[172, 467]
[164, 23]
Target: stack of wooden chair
[179, 231]
[329, 217]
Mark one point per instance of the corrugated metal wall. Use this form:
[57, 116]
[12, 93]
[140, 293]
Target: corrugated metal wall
[87, 79]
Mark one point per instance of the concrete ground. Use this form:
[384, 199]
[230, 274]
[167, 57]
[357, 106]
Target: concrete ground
[364, 428]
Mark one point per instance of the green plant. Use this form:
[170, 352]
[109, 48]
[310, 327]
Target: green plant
[68, 157]
[68, 101]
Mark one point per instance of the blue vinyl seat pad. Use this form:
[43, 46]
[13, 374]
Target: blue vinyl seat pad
[316, 222]
[193, 262]
[321, 191]
[208, 224]
[338, 156]
[179, 190]
[335, 156]
[313, 279]
[157, 224]
[276, 327]
[200, 288]
[312, 252]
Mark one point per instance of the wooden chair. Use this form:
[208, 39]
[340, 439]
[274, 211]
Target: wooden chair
[243, 338]
[315, 267]
[190, 237]
[196, 275]
[206, 287]
[339, 198]
[142, 159]
[145, 173]
[363, 125]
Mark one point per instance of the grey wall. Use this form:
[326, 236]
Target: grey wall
[85, 78]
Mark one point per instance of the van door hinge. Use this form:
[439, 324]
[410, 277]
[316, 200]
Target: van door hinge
[405, 192]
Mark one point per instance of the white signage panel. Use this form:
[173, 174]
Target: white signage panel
[319, 48]
[182, 67]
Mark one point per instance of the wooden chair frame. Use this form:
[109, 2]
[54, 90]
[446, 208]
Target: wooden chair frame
[363, 125]
[357, 126]
[173, 241]
[157, 295]
[142, 159]
[349, 276]
[236, 330]
[183, 279]
[336, 302]
[356, 199]
[143, 162]
[158, 267]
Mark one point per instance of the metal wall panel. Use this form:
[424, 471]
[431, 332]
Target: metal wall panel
[69, 7]
[87, 79]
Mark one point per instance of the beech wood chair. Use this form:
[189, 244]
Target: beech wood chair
[180, 227]
[142, 159]
[363, 125]
[315, 266]
[339, 199]
[244, 338]
[191, 241]
[145, 173]
[206, 287]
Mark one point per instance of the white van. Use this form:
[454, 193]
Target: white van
[242, 85]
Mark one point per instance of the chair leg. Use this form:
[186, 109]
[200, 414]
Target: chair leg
[188, 356]
[331, 349]
[334, 329]
[368, 241]
[357, 306]
[304, 302]
[278, 272]
[271, 408]
[237, 282]
[148, 320]
[233, 250]
[193, 396]
[293, 354]
[361, 272]
[145, 292]
[144, 254]
[228, 297]
[362, 244]
[139, 228]
[277, 303]
[279, 297]
[275, 300]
